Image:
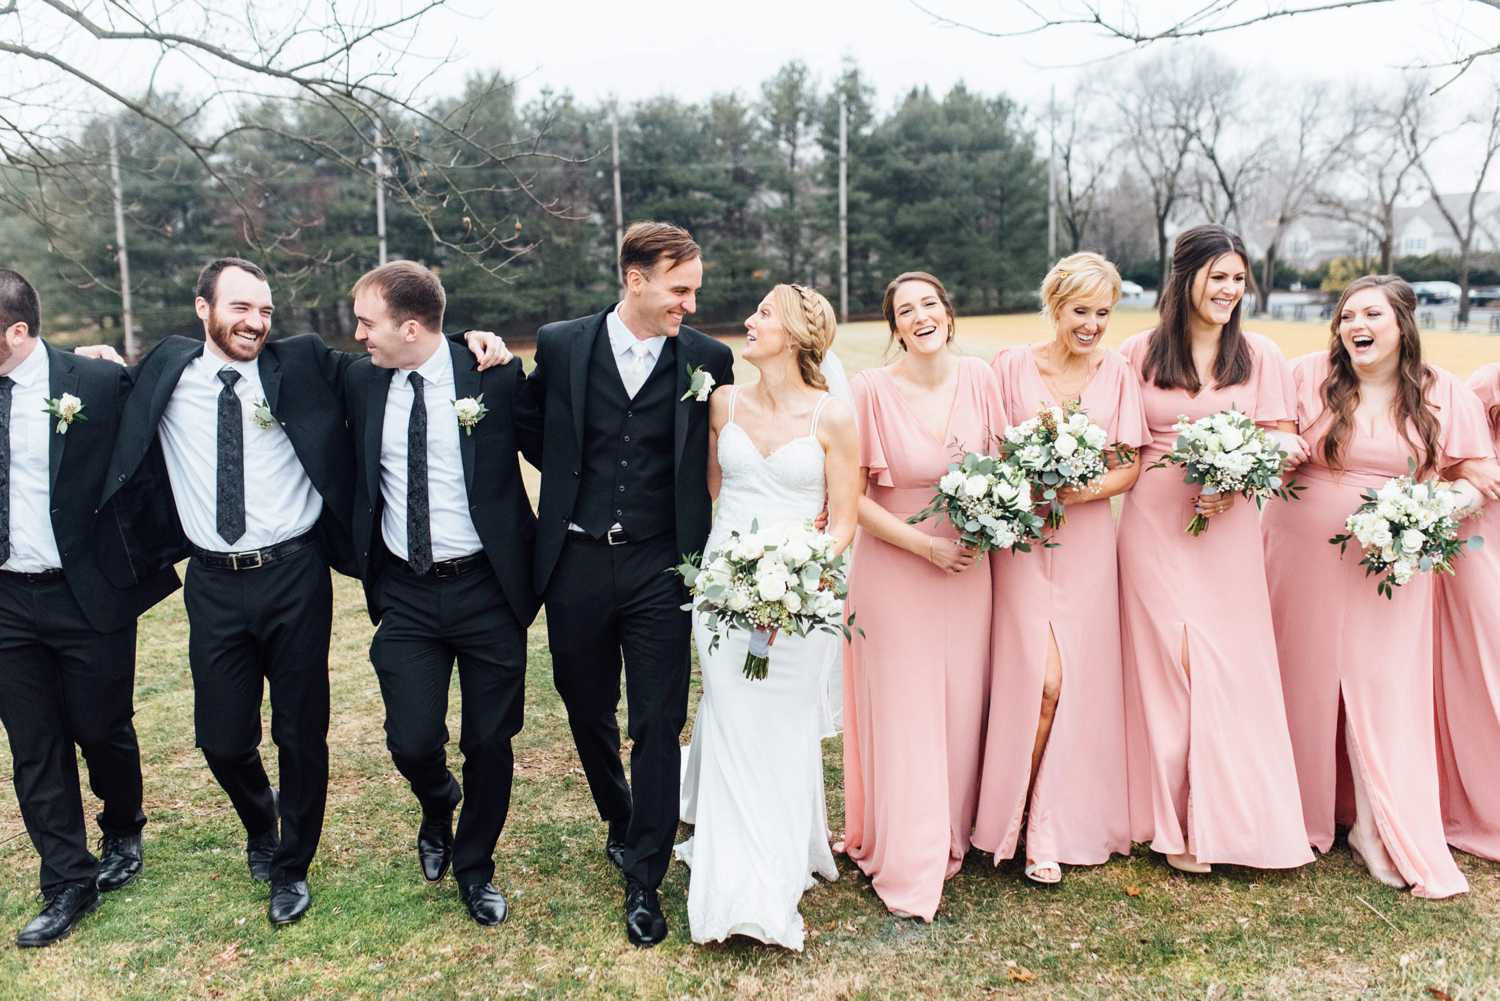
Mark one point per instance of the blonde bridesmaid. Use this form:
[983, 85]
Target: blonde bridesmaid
[1209, 759]
[914, 678]
[1349, 656]
[1468, 674]
[1054, 756]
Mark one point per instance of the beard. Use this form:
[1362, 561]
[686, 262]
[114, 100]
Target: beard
[224, 336]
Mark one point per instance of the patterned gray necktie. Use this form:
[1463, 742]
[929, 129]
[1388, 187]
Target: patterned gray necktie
[418, 513]
[6, 385]
[231, 472]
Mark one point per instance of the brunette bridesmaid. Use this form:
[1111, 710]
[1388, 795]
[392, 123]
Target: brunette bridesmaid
[1210, 762]
[1349, 656]
[1054, 754]
[915, 673]
[1468, 674]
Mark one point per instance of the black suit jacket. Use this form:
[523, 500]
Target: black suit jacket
[302, 378]
[492, 475]
[554, 409]
[105, 568]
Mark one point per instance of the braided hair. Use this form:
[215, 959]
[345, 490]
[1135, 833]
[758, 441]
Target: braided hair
[810, 324]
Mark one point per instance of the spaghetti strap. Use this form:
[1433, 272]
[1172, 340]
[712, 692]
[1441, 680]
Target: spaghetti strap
[817, 412]
[734, 392]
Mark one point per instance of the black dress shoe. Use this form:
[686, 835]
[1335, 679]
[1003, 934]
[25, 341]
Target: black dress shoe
[435, 846]
[485, 903]
[119, 861]
[644, 922]
[614, 843]
[290, 900]
[259, 851]
[57, 919]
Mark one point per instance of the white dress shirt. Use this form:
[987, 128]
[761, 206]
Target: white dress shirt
[453, 532]
[634, 356]
[33, 546]
[280, 501]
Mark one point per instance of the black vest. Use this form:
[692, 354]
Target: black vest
[627, 474]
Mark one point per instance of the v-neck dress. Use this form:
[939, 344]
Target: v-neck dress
[1344, 646]
[1210, 761]
[916, 671]
[1079, 810]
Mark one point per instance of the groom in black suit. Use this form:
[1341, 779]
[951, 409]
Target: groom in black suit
[69, 596]
[624, 496]
[443, 536]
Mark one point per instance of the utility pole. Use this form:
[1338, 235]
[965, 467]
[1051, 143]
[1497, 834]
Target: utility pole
[379, 160]
[614, 143]
[1052, 176]
[121, 255]
[844, 207]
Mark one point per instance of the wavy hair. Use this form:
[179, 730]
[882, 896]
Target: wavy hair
[1083, 275]
[810, 324]
[1340, 391]
[1169, 351]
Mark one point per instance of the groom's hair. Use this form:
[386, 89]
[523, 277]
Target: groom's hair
[410, 291]
[646, 243]
[19, 303]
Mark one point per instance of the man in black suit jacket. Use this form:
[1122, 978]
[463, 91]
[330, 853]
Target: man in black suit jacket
[69, 598]
[261, 487]
[443, 535]
[624, 497]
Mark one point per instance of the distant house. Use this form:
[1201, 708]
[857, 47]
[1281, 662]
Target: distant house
[1421, 229]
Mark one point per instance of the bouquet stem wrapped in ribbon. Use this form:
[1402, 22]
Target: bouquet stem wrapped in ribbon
[1227, 453]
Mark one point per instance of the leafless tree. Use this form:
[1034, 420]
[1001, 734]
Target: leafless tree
[1086, 149]
[1234, 141]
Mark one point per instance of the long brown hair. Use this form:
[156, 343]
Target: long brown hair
[1340, 391]
[888, 302]
[1169, 351]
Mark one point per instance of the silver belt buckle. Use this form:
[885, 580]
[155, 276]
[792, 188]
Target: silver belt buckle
[614, 540]
[254, 554]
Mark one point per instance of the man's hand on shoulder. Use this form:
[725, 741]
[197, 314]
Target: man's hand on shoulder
[488, 349]
[103, 352]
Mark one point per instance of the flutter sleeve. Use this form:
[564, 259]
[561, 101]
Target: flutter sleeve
[1275, 386]
[867, 420]
[1466, 427]
[1127, 423]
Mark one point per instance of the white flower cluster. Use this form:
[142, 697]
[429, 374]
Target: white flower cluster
[1057, 449]
[989, 501]
[1227, 453]
[783, 579]
[1405, 528]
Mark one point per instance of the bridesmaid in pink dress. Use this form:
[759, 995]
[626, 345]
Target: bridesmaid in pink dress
[1210, 761]
[1342, 645]
[1055, 742]
[1468, 675]
[914, 681]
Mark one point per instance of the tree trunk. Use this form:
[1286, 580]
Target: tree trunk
[1463, 282]
[1161, 255]
[1268, 279]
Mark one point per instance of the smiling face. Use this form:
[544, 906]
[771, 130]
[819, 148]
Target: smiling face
[657, 299]
[765, 334]
[921, 321]
[1369, 332]
[1218, 287]
[238, 321]
[388, 343]
[1080, 323]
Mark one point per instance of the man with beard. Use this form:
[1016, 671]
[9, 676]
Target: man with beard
[261, 471]
[68, 604]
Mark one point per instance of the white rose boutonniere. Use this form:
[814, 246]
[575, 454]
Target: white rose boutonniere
[470, 411]
[67, 409]
[700, 384]
[261, 415]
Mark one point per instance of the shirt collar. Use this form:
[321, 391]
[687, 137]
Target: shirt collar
[621, 340]
[435, 369]
[247, 369]
[34, 369]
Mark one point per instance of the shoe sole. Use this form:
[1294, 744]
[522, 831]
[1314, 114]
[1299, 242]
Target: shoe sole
[91, 908]
[288, 921]
[118, 886]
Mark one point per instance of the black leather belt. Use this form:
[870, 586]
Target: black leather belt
[614, 537]
[34, 576]
[456, 567]
[253, 559]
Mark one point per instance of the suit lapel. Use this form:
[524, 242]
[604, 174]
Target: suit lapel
[270, 380]
[682, 411]
[578, 374]
[61, 378]
[466, 382]
[380, 387]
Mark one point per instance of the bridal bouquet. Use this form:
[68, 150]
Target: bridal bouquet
[989, 501]
[1405, 528]
[782, 579]
[1059, 449]
[1227, 453]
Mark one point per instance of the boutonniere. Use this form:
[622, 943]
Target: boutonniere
[470, 411]
[67, 409]
[700, 384]
[261, 415]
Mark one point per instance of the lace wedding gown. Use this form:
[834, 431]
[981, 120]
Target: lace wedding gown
[755, 764]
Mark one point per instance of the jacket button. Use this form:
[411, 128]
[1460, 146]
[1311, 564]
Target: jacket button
[575, 472]
[627, 437]
[121, 478]
[624, 463]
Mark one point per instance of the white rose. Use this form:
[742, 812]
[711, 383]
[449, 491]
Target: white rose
[1031, 455]
[1095, 436]
[1078, 423]
[68, 406]
[976, 486]
[796, 552]
[1005, 490]
[738, 600]
[770, 587]
[1004, 537]
[1403, 571]
[792, 602]
[951, 483]
[1412, 540]
[1065, 445]
[749, 547]
[705, 390]
[467, 409]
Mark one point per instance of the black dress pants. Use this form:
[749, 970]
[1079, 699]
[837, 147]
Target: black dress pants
[426, 623]
[604, 602]
[63, 683]
[248, 627]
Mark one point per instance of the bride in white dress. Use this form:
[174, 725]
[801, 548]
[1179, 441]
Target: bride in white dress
[778, 449]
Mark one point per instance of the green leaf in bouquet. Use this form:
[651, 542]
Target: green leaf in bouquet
[1475, 542]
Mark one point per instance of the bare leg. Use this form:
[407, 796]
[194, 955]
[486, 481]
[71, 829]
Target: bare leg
[1364, 837]
[1187, 861]
[1046, 871]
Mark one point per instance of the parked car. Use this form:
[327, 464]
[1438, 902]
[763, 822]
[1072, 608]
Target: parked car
[1435, 292]
[1485, 295]
[1128, 289]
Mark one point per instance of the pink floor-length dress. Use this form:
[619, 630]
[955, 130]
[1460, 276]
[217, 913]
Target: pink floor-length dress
[915, 673]
[1468, 674]
[1209, 758]
[1079, 810]
[1341, 642]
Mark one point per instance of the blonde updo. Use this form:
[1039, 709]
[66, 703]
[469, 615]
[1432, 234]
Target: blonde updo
[810, 324]
[1078, 276]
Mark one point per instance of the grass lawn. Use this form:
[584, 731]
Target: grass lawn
[194, 925]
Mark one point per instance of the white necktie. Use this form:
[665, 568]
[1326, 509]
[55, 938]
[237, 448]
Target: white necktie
[638, 369]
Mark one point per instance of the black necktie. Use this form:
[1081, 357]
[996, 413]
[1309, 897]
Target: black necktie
[231, 471]
[6, 385]
[418, 514]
